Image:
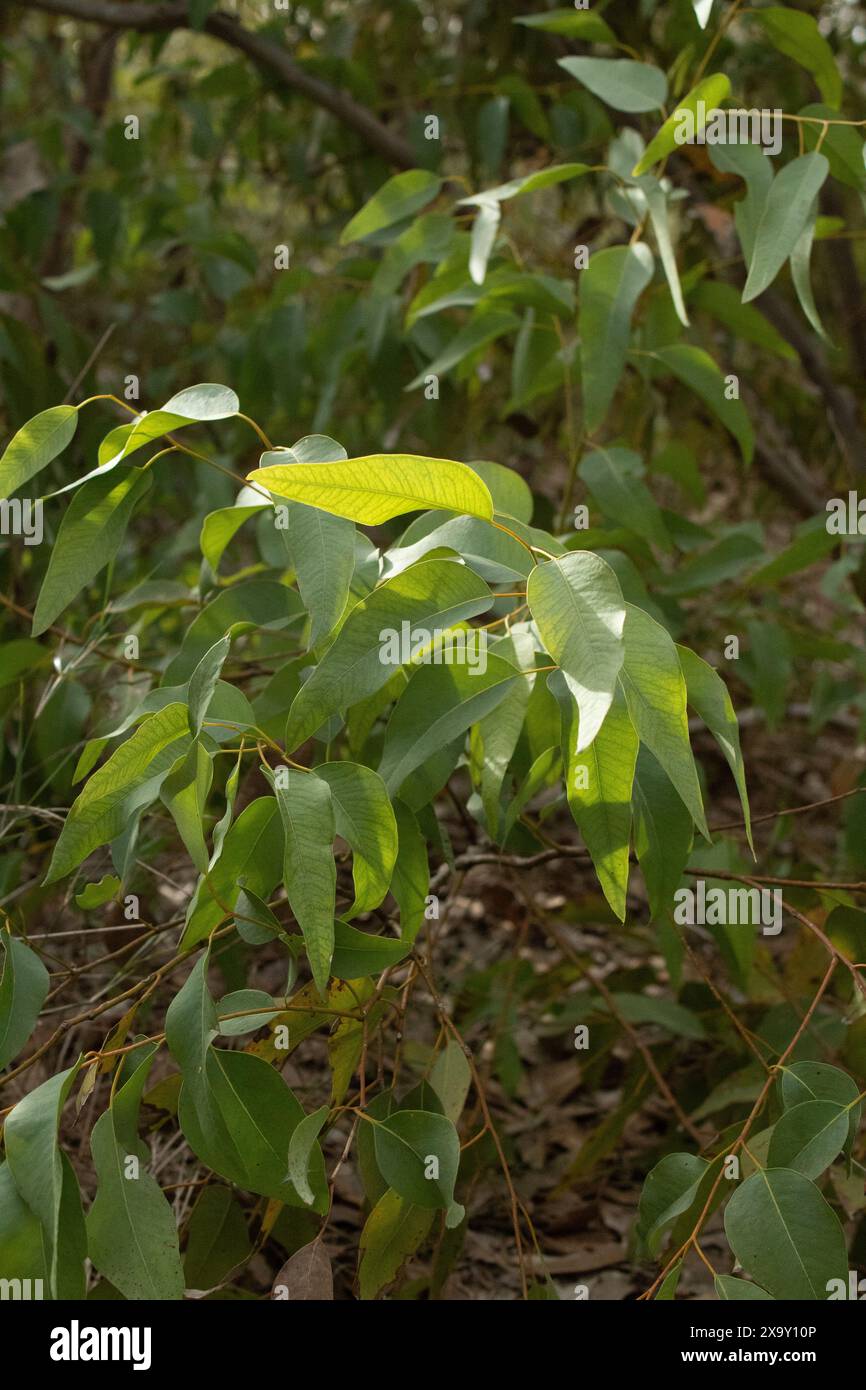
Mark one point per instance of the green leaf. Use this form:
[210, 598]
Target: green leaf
[669, 1190]
[217, 1238]
[613, 477]
[529, 183]
[802, 1081]
[433, 595]
[46, 1181]
[801, 257]
[484, 328]
[438, 705]
[655, 693]
[579, 611]
[251, 856]
[234, 1022]
[309, 871]
[609, 290]
[359, 953]
[621, 83]
[723, 302]
[842, 145]
[392, 1232]
[301, 1147]
[451, 1077]
[808, 1137]
[410, 882]
[783, 219]
[602, 808]
[321, 547]
[259, 1110]
[131, 1233]
[797, 36]
[219, 528]
[708, 696]
[19, 658]
[365, 819]
[377, 487]
[35, 445]
[23, 988]
[90, 535]
[203, 682]
[499, 731]
[194, 405]
[663, 832]
[706, 97]
[185, 792]
[785, 1235]
[236, 1112]
[665, 1013]
[589, 28]
[254, 920]
[129, 780]
[699, 372]
[737, 1290]
[20, 1233]
[750, 163]
[397, 199]
[410, 1144]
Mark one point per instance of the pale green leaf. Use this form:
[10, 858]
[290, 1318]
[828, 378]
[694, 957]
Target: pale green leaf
[785, 1235]
[579, 611]
[620, 82]
[397, 199]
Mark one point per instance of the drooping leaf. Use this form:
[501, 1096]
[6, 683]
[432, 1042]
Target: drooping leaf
[217, 1238]
[609, 290]
[669, 1189]
[613, 476]
[364, 817]
[663, 832]
[392, 1232]
[309, 872]
[451, 1077]
[23, 988]
[419, 1154]
[708, 696]
[90, 535]
[599, 783]
[301, 1147]
[433, 596]
[655, 693]
[46, 1181]
[700, 373]
[131, 1232]
[797, 36]
[785, 1234]
[411, 878]
[783, 218]
[129, 780]
[808, 1137]
[579, 610]
[438, 705]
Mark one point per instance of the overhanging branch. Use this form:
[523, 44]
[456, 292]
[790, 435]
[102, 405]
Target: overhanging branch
[267, 56]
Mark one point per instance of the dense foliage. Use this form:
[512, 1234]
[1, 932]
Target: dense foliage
[276, 706]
